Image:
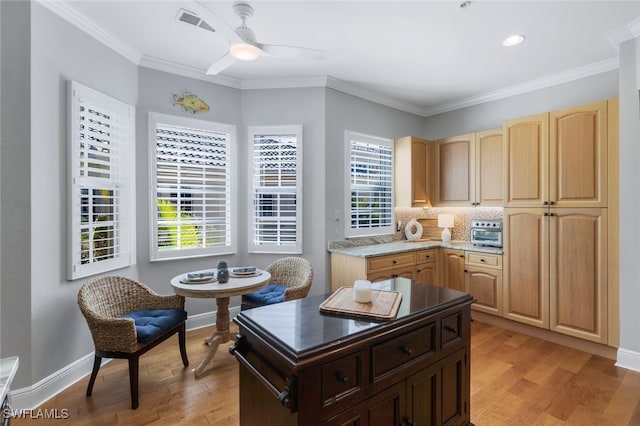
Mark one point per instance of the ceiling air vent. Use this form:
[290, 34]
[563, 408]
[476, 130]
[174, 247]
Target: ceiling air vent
[193, 19]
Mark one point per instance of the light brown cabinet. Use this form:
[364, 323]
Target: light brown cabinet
[483, 280]
[557, 159]
[556, 270]
[418, 265]
[453, 269]
[470, 170]
[412, 171]
[488, 176]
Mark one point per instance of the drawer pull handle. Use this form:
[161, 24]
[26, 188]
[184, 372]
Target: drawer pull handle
[482, 260]
[341, 377]
[394, 262]
[394, 275]
[451, 329]
[406, 350]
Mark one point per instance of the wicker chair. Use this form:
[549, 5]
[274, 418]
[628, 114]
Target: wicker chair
[293, 273]
[103, 301]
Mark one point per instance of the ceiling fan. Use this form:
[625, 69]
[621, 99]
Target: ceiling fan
[242, 40]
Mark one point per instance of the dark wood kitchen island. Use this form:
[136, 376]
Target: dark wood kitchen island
[299, 366]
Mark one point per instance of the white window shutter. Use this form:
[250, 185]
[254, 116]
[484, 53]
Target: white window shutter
[369, 187]
[101, 190]
[275, 155]
[192, 181]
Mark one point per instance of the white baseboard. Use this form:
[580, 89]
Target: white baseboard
[31, 397]
[628, 359]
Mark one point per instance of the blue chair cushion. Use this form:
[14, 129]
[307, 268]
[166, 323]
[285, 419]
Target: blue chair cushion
[151, 323]
[273, 293]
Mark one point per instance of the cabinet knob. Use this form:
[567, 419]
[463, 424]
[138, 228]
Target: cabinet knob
[482, 260]
[545, 203]
[393, 261]
[341, 377]
[394, 275]
[409, 422]
[465, 271]
[462, 255]
[406, 350]
[551, 203]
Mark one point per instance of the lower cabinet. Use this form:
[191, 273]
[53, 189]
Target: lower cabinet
[483, 280]
[556, 274]
[434, 396]
[453, 269]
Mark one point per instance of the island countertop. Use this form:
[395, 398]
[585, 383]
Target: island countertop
[298, 328]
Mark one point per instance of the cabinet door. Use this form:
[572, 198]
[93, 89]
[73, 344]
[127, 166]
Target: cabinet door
[526, 266]
[578, 156]
[455, 380]
[485, 285]
[526, 166]
[578, 273]
[489, 176]
[385, 408]
[424, 400]
[411, 172]
[453, 269]
[456, 171]
[426, 273]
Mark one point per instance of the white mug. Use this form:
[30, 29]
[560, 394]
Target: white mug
[362, 291]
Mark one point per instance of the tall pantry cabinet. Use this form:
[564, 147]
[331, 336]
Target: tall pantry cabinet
[555, 220]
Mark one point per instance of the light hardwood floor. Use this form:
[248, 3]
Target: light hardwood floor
[515, 380]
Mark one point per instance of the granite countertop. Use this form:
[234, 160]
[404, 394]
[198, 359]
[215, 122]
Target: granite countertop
[379, 249]
[8, 369]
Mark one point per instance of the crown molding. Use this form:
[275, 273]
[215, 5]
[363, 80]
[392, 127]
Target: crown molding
[369, 95]
[530, 86]
[69, 14]
[187, 71]
[622, 34]
[284, 83]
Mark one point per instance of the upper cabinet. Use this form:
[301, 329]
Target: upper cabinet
[557, 158]
[413, 158]
[489, 178]
[470, 170]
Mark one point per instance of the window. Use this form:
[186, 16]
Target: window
[276, 189]
[192, 207]
[369, 190]
[101, 193]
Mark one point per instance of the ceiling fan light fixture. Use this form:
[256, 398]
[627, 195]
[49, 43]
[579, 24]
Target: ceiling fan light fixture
[513, 40]
[244, 51]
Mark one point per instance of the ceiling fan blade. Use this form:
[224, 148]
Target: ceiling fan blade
[221, 64]
[214, 20]
[290, 51]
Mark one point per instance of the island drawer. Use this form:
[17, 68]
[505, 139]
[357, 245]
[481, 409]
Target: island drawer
[486, 260]
[341, 378]
[390, 261]
[424, 256]
[395, 353]
[451, 329]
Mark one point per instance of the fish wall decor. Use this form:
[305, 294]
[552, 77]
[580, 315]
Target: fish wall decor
[191, 103]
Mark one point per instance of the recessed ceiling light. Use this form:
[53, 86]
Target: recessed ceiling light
[513, 40]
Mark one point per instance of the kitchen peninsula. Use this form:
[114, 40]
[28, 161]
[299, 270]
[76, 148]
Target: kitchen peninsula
[299, 366]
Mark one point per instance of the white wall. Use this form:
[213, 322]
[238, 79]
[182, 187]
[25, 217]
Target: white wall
[347, 112]
[304, 106]
[629, 352]
[156, 90]
[15, 296]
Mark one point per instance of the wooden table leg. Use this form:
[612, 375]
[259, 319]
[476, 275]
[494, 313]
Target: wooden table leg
[221, 335]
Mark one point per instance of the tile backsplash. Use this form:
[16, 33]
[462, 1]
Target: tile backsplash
[463, 216]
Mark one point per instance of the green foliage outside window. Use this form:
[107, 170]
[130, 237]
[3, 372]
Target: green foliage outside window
[176, 231]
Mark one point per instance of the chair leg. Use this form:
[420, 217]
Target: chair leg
[94, 373]
[182, 342]
[133, 380]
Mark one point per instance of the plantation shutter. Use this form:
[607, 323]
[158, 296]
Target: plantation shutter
[370, 203]
[276, 186]
[101, 141]
[192, 207]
